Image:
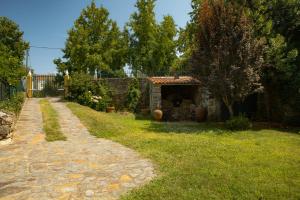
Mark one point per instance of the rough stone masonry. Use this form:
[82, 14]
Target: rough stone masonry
[7, 124]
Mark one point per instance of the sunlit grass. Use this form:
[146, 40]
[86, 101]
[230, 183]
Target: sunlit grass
[204, 161]
[50, 122]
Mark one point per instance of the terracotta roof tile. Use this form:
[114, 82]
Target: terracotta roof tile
[171, 80]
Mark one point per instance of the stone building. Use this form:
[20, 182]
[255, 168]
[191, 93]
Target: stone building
[178, 97]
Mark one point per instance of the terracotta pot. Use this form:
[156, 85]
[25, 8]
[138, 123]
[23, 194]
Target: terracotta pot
[110, 109]
[200, 114]
[157, 114]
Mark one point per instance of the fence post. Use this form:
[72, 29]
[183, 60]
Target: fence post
[29, 85]
[66, 83]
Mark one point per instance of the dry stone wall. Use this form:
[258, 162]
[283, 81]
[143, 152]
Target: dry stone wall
[119, 88]
[7, 124]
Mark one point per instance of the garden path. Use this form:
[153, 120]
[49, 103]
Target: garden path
[83, 167]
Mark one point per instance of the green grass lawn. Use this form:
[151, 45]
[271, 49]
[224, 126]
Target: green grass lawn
[203, 161]
[50, 122]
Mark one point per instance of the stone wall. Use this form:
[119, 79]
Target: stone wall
[7, 124]
[119, 88]
[155, 97]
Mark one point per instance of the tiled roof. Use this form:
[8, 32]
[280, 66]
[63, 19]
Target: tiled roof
[171, 80]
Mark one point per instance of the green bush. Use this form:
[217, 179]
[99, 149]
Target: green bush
[14, 104]
[133, 95]
[238, 123]
[85, 98]
[79, 84]
[86, 91]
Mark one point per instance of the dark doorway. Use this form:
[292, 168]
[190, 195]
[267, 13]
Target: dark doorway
[178, 101]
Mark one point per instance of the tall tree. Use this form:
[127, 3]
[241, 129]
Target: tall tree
[152, 45]
[278, 21]
[143, 30]
[227, 56]
[95, 42]
[12, 51]
[186, 40]
[165, 51]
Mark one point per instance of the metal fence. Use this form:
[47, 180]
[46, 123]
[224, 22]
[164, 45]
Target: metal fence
[7, 91]
[39, 82]
[46, 85]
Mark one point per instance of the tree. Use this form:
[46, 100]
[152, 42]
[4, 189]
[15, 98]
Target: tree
[95, 42]
[143, 32]
[12, 52]
[227, 56]
[278, 22]
[186, 40]
[165, 52]
[152, 46]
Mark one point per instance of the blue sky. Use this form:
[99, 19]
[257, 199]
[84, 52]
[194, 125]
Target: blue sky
[46, 22]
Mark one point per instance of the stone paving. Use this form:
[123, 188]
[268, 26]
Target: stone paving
[83, 167]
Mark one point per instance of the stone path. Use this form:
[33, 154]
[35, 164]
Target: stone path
[83, 167]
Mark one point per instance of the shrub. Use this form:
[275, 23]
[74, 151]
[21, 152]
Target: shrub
[238, 123]
[133, 95]
[86, 91]
[14, 104]
[79, 84]
[85, 98]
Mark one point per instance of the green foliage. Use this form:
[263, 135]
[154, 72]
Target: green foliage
[227, 57]
[85, 98]
[152, 46]
[14, 104]
[94, 42]
[133, 95]
[79, 84]
[86, 91]
[165, 55]
[238, 123]
[278, 22]
[12, 51]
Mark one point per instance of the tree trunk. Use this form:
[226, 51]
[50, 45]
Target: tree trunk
[230, 109]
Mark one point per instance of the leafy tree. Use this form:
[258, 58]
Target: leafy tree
[12, 52]
[95, 42]
[186, 40]
[278, 21]
[143, 31]
[165, 53]
[227, 56]
[152, 46]
[133, 95]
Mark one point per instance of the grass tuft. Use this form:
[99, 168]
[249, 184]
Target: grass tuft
[50, 122]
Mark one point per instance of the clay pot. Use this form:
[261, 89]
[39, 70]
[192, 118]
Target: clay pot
[157, 114]
[110, 109]
[200, 114]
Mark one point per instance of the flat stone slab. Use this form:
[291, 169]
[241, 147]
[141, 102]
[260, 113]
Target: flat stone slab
[83, 167]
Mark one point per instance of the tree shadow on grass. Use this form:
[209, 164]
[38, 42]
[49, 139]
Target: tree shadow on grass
[186, 127]
[258, 126]
[209, 127]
